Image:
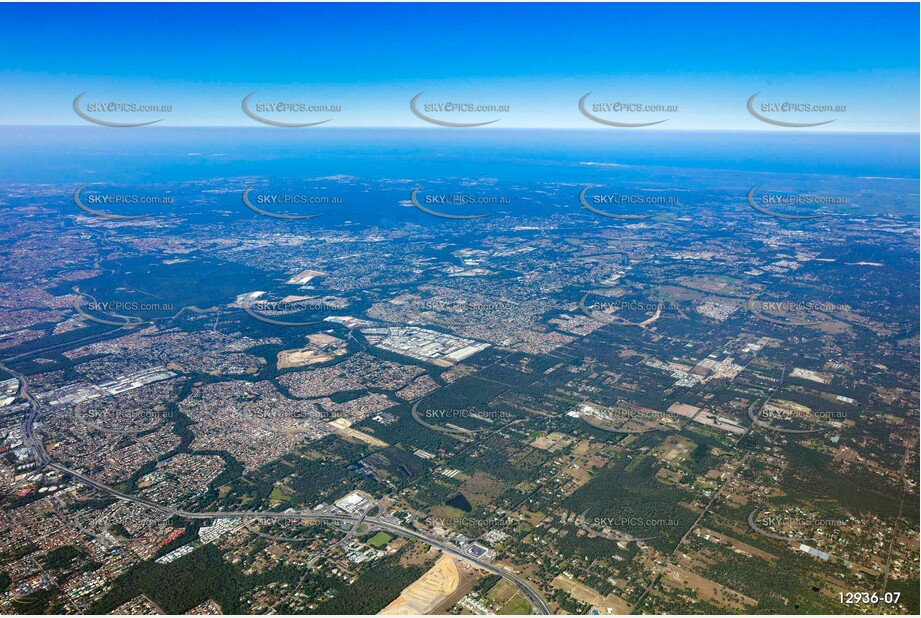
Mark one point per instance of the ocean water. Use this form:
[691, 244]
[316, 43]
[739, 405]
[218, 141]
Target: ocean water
[171, 154]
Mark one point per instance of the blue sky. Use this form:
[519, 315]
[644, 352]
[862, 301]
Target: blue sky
[538, 59]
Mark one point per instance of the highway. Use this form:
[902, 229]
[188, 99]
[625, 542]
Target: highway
[42, 460]
[28, 425]
[538, 604]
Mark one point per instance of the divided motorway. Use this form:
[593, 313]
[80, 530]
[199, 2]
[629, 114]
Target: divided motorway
[538, 604]
[42, 460]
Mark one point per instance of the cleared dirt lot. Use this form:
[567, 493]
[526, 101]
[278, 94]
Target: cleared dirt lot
[427, 592]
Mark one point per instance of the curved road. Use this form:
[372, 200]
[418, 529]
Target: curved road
[42, 460]
[28, 426]
[536, 600]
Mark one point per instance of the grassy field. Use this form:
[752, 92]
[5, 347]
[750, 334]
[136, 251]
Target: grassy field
[379, 540]
[278, 495]
[517, 606]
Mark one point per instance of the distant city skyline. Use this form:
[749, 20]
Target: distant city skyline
[704, 62]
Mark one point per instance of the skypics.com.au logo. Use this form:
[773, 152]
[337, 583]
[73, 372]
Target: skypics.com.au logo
[768, 204]
[84, 199]
[616, 113]
[455, 109]
[104, 112]
[283, 312]
[643, 201]
[271, 113]
[120, 313]
[770, 112]
[458, 313]
[260, 204]
[445, 416]
[455, 199]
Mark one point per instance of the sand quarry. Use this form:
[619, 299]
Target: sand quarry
[428, 592]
